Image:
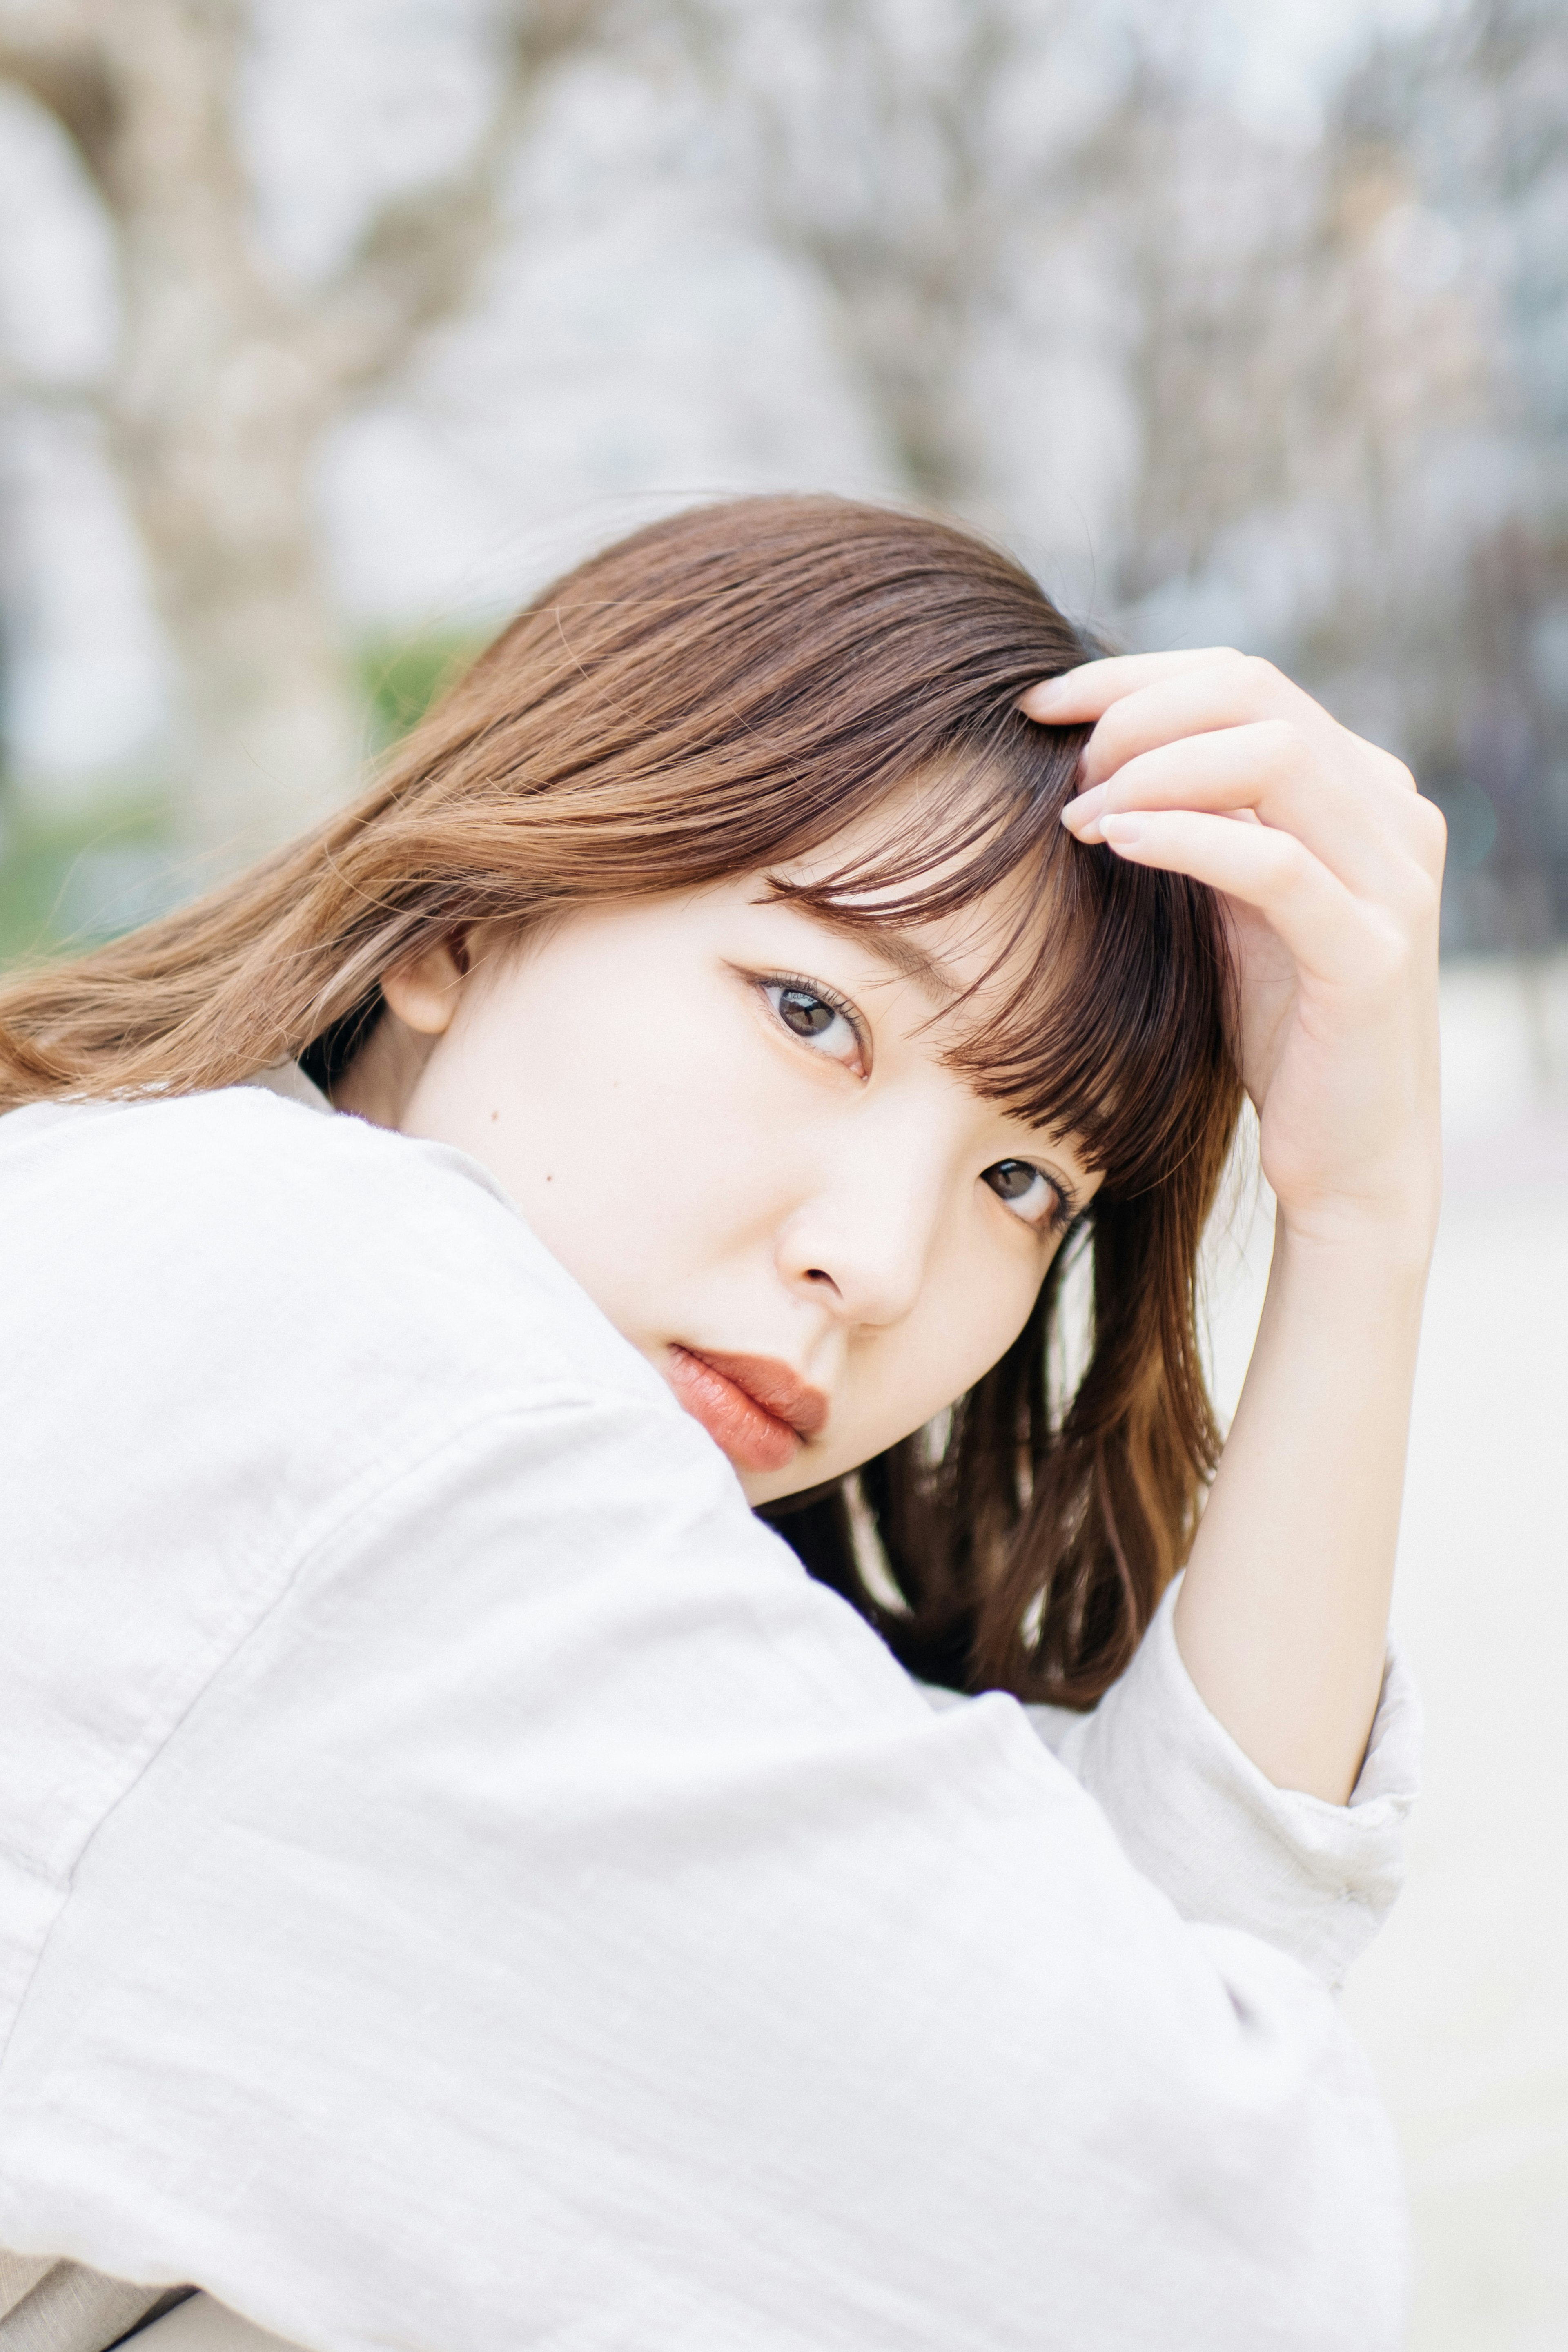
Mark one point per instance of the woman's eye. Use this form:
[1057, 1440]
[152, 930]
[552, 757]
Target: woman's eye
[1028, 1191]
[814, 1020]
[807, 1016]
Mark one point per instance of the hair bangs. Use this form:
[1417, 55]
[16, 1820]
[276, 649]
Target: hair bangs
[766, 687]
[1101, 1011]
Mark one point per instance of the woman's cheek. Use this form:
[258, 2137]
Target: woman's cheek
[974, 1316]
[668, 1166]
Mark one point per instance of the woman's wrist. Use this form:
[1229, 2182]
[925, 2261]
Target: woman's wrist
[1283, 1611]
[1356, 1281]
[1388, 1240]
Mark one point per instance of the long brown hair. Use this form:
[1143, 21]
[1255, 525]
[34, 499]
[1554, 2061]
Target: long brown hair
[722, 694]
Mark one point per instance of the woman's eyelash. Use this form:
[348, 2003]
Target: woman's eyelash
[1069, 1212]
[804, 986]
[1064, 1211]
[799, 983]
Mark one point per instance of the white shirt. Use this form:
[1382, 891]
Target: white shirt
[462, 1885]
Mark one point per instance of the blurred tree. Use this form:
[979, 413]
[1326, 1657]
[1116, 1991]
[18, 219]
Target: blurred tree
[1306, 392]
[1283, 360]
[947, 172]
[1330, 368]
[936, 168]
[1477, 109]
[871, 144]
[227, 376]
[1348, 368]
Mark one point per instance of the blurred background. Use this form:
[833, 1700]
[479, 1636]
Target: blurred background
[331, 329]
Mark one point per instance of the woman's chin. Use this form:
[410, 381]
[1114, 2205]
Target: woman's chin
[799, 1486]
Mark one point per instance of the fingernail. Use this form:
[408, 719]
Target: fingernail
[1119, 831]
[1045, 696]
[1085, 808]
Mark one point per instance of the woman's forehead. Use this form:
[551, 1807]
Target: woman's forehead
[919, 882]
[1085, 997]
[974, 954]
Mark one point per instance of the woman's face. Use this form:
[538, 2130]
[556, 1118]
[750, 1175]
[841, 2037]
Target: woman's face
[729, 1120]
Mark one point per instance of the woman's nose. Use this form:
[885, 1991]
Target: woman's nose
[865, 1241]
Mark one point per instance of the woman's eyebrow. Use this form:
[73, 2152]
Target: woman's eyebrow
[907, 957]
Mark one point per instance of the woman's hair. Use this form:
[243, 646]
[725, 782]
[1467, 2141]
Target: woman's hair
[721, 694]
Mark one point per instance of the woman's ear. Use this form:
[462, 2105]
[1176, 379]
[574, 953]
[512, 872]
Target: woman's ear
[422, 992]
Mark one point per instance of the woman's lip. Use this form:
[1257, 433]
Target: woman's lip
[772, 1385]
[755, 1407]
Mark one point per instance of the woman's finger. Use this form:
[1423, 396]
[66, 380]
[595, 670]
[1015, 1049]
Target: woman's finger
[1273, 771]
[1236, 693]
[1082, 694]
[1335, 938]
[1146, 700]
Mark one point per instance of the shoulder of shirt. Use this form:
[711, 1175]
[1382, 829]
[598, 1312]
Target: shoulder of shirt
[293, 1222]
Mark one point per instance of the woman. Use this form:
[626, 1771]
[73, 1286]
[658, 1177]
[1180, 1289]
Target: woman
[464, 1883]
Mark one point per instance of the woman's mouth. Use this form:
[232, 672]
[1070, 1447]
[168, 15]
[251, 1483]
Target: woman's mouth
[753, 1407]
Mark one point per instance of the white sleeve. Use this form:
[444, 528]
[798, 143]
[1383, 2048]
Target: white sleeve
[1195, 1815]
[556, 1920]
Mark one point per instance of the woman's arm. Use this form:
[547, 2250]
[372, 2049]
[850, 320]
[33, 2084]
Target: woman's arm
[1329, 862]
[461, 1882]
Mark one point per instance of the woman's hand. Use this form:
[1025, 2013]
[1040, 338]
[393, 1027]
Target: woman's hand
[1329, 863]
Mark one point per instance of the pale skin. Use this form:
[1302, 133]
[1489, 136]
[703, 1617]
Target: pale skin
[729, 1161]
[716, 1180]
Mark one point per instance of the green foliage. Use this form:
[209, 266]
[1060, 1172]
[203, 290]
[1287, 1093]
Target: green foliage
[70, 879]
[402, 676]
[74, 879]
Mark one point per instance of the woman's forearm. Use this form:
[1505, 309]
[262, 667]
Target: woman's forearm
[1283, 1616]
[1328, 865]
